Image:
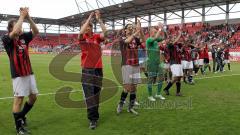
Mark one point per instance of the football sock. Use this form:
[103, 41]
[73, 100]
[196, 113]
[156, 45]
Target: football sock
[149, 86]
[159, 87]
[190, 78]
[18, 120]
[168, 86]
[27, 107]
[132, 99]
[178, 84]
[123, 97]
[196, 70]
[146, 74]
[202, 70]
[209, 68]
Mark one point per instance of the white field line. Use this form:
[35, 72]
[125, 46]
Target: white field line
[45, 94]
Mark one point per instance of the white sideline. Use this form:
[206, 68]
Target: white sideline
[45, 94]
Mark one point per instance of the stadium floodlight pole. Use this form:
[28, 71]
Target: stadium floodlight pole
[95, 27]
[59, 29]
[113, 24]
[149, 20]
[203, 14]
[136, 19]
[124, 21]
[227, 12]
[183, 16]
[165, 18]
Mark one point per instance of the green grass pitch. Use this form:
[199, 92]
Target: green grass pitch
[211, 107]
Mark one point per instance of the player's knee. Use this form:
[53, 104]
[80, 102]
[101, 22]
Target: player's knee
[127, 88]
[32, 99]
[18, 101]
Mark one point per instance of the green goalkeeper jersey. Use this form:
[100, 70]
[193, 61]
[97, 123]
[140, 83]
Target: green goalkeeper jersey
[153, 50]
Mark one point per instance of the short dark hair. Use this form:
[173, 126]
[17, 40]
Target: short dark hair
[10, 24]
[126, 26]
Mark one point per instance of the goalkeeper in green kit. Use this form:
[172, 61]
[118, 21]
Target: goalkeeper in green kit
[154, 65]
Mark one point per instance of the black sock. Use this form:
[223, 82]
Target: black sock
[168, 86]
[202, 71]
[146, 74]
[190, 78]
[170, 75]
[132, 99]
[165, 76]
[229, 66]
[178, 84]
[196, 70]
[123, 97]
[18, 120]
[209, 68]
[27, 107]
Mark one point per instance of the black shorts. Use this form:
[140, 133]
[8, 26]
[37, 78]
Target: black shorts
[206, 61]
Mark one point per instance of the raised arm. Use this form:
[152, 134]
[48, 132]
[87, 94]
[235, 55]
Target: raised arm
[33, 26]
[160, 27]
[179, 35]
[130, 38]
[139, 27]
[84, 26]
[18, 26]
[103, 27]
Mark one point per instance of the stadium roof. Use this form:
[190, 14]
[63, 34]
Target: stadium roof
[145, 7]
[118, 9]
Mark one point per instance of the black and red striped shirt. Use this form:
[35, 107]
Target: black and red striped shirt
[130, 52]
[165, 53]
[175, 53]
[205, 50]
[186, 53]
[17, 50]
[226, 53]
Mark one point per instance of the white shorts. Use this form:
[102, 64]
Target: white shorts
[196, 62]
[166, 66]
[142, 62]
[177, 70]
[226, 61]
[24, 86]
[131, 74]
[200, 62]
[187, 64]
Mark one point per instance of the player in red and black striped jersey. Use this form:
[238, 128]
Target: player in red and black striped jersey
[226, 57]
[206, 58]
[187, 62]
[167, 71]
[130, 64]
[17, 51]
[175, 50]
[201, 58]
[16, 44]
[195, 57]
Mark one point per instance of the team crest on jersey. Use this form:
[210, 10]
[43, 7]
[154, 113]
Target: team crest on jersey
[21, 48]
[133, 44]
[23, 42]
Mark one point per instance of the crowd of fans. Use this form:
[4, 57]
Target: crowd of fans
[225, 33]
